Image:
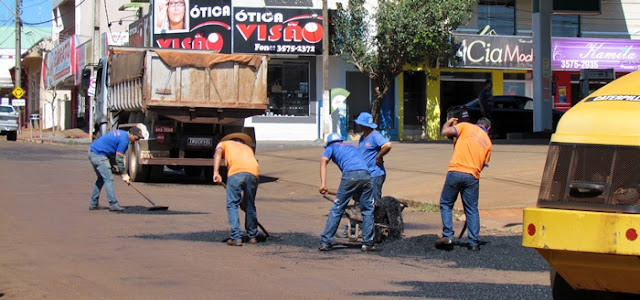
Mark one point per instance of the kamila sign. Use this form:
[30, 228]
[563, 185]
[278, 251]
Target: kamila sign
[576, 54]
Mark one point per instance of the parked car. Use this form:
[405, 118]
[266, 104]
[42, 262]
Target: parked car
[509, 114]
[9, 122]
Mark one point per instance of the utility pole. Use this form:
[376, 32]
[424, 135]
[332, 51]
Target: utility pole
[18, 73]
[325, 71]
[96, 54]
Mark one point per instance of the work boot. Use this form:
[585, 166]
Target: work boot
[444, 243]
[474, 248]
[370, 248]
[253, 240]
[116, 207]
[325, 247]
[95, 207]
[231, 242]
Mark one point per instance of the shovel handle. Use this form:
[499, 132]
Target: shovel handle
[266, 234]
[141, 194]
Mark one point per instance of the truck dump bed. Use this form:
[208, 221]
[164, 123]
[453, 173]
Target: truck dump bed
[188, 85]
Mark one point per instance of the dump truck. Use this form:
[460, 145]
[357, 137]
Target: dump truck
[587, 217]
[185, 100]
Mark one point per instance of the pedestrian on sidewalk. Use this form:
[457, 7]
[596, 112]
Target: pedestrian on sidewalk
[242, 183]
[355, 182]
[472, 152]
[485, 99]
[111, 145]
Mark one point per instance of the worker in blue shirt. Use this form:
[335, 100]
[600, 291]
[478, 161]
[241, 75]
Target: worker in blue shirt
[115, 145]
[373, 147]
[355, 181]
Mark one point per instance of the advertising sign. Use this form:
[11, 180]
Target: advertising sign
[60, 62]
[139, 32]
[193, 24]
[216, 25]
[83, 52]
[495, 52]
[277, 31]
[577, 54]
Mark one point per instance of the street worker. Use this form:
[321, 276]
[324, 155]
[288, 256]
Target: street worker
[471, 153]
[111, 145]
[355, 181]
[373, 147]
[242, 183]
[485, 99]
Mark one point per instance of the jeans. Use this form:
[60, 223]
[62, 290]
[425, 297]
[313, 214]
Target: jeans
[376, 185]
[352, 183]
[102, 167]
[241, 190]
[469, 187]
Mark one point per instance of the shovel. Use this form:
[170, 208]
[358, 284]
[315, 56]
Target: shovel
[155, 207]
[266, 234]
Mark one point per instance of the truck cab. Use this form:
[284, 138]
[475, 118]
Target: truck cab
[587, 218]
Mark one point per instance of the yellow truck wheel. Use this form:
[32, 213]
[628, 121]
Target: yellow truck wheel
[560, 289]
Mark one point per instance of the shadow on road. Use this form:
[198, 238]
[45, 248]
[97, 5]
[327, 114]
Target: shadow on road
[465, 290]
[144, 210]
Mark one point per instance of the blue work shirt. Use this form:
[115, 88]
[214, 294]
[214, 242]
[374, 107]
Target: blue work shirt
[346, 156]
[369, 148]
[112, 142]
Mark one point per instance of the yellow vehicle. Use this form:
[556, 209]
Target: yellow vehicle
[587, 218]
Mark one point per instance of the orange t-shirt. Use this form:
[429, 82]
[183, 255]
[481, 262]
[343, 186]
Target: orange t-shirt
[239, 158]
[472, 150]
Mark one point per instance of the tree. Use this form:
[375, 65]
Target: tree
[405, 32]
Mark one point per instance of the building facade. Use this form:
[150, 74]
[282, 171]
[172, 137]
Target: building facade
[290, 32]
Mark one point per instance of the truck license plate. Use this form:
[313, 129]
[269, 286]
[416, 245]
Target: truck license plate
[199, 142]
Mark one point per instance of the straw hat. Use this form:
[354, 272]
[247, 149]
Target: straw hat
[246, 139]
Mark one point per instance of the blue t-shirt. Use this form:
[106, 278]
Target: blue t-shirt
[112, 142]
[346, 156]
[369, 148]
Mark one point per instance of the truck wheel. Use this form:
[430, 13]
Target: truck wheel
[192, 171]
[137, 171]
[561, 289]
[208, 175]
[12, 136]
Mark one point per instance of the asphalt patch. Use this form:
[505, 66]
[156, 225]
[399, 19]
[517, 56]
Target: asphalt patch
[144, 210]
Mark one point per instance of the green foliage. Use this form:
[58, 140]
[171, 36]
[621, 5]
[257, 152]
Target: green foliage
[429, 207]
[400, 32]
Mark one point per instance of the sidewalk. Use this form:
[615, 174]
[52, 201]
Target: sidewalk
[415, 172]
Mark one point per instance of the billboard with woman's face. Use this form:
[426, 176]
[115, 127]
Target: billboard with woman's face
[171, 16]
[193, 24]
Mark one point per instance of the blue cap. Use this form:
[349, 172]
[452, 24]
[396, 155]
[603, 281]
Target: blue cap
[366, 119]
[333, 137]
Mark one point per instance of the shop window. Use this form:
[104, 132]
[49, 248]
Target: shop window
[500, 15]
[565, 25]
[289, 88]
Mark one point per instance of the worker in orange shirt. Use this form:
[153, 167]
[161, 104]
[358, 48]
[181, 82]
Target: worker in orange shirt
[242, 183]
[472, 152]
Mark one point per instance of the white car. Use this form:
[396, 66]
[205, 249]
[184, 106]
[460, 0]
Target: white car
[9, 122]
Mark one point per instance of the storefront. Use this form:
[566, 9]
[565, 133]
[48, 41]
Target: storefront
[507, 61]
[292, 36]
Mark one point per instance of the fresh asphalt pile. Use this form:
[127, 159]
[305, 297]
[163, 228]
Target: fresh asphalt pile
[499, 251]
